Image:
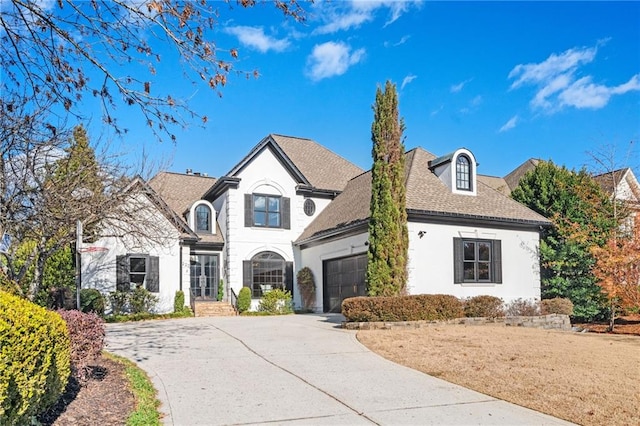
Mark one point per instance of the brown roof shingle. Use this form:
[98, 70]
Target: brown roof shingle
[180, 191]
[323, 168]
[425, 194]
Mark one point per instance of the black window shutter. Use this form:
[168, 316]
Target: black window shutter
[247, 277]
[497, 261]
[286, 213]
[248, 210]
[122, 273]
[153, 274]
[458, 261]
[288, 277]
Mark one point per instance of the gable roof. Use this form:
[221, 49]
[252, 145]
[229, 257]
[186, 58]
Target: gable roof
[137, 183]
[427, 196]
[179, 191]
[513, 179]
[312, 166]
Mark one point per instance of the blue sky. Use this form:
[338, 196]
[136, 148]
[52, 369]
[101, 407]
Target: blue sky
[508, 80]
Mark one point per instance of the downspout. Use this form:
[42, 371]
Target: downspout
[180, 260]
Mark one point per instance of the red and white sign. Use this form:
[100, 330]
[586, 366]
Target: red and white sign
[93, 249]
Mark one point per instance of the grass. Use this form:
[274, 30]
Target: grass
[586, 378]
[146, 412]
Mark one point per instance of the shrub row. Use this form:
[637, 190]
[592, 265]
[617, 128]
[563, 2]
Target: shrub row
[86, 334]
[428, 307]
[138, 301]
[35, 359]
[431, 307]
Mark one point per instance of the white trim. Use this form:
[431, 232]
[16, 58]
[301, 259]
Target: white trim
[192, 218]
[473, 173]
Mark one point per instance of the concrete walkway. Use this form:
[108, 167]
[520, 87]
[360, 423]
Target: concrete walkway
[295, 369]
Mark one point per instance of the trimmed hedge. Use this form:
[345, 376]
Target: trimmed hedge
[244, 299]
[86, 333]
[557, 305]
[34, 359]
[427, 307]
[483, 306]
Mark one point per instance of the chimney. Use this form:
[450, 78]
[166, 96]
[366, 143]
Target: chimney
[189, 171]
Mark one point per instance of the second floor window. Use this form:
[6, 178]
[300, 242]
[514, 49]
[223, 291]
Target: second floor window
[266, 211]
[203, 218]
[463, 173]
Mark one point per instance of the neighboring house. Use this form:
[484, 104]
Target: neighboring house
[622, 185]
[292, 203]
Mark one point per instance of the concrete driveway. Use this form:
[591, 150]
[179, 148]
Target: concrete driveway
[295, 369]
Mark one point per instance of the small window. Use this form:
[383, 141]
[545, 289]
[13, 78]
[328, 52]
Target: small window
[463, 173]
[266, 211]
[477, 261]
[137, 270]
[203, 218]
[309, 207]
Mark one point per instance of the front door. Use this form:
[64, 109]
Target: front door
[204, 276]
[343, 278]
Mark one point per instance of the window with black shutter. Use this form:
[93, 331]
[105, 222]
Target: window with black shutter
[477, 261]
[138, 270]
[267, 211]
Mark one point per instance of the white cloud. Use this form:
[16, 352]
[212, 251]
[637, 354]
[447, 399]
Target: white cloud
[331, 59]
[408, 79]
[340, 16]
[437, 110]
[558, 86]
[458, 87]
[255, 38]
[402, 41]
[513, 121]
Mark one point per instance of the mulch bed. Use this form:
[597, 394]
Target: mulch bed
[105, 399]
[629, 324]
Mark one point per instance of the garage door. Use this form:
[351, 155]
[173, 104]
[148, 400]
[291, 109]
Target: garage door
[342, 278]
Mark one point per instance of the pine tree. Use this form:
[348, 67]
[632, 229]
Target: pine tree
[388, 235]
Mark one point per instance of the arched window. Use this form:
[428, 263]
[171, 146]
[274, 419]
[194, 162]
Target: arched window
[203, 218]
[463, 173]
[268, 273]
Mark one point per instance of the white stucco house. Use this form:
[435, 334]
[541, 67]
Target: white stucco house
[292, 203]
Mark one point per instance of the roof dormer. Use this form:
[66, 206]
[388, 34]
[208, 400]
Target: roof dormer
[457, 170]
[202, 217]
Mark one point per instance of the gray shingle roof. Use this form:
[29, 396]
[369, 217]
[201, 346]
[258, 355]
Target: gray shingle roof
[180, 191]
[323, 168]
[425, 194]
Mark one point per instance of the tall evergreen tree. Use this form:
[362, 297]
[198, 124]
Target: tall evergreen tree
[388, 235]
[582, 217]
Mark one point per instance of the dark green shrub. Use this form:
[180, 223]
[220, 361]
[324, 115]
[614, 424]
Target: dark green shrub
[91, 300]
[34, 359]
[422, 307]
[276, 302]
[142, 301]
[220, 290]
[557, 305]
[307, 287]
[86, 334]
[522, 307]
[119, 302]
[244, 299]
[483, 306]
[178, 302]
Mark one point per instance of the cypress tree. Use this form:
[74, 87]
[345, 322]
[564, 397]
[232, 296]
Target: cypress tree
[388, 235]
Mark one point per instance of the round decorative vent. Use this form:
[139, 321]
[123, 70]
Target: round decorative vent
[309, 207]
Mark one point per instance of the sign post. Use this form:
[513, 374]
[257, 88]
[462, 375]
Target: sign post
[78, 262]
